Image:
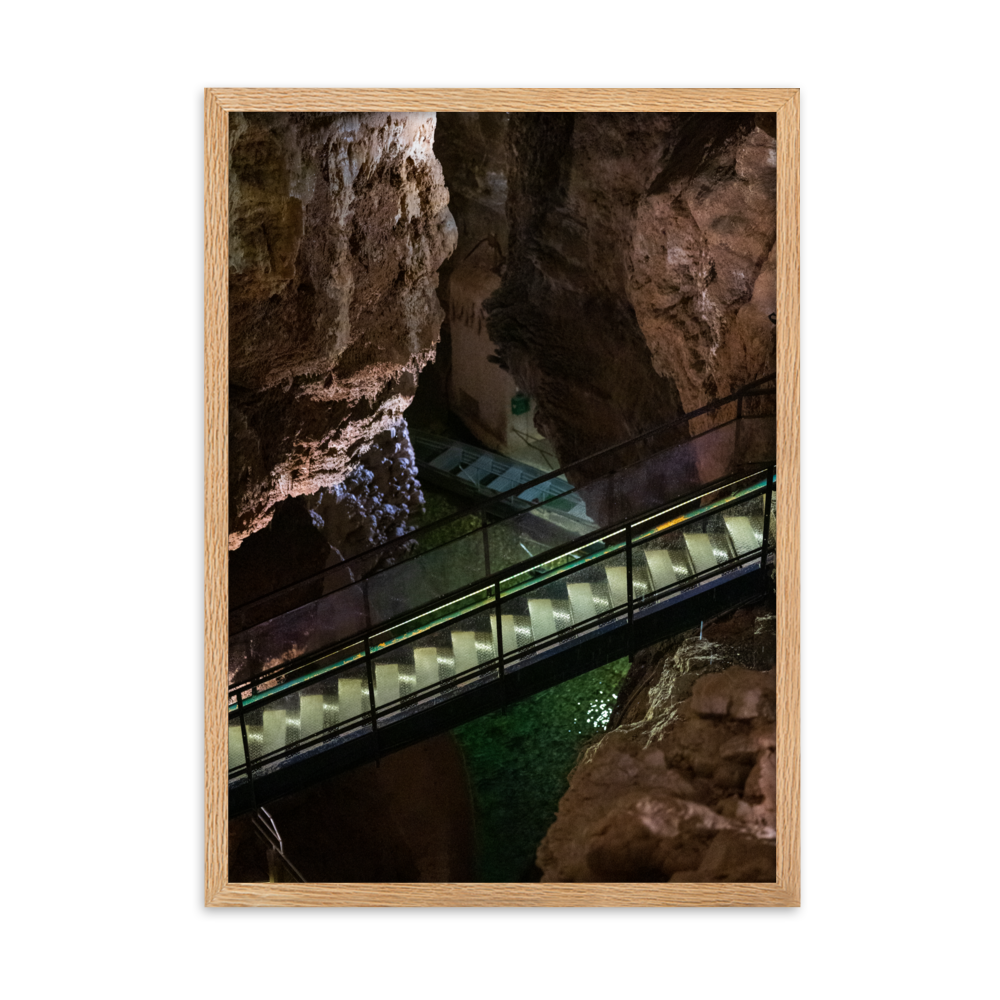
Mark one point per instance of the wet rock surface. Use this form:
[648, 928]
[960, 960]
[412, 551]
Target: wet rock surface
[683, 787]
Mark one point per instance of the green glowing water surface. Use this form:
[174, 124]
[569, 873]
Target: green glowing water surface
[518, 766]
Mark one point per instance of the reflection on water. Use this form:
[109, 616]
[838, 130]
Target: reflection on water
[518, 764]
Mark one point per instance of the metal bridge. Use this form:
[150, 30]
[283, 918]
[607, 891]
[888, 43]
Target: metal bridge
[451, 633]
[475, 472]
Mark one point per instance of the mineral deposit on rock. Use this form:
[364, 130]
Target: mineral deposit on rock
[338, 225]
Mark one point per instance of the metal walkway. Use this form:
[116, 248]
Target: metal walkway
[475, 472]
[437, 648]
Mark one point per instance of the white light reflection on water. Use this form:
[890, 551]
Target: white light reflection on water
[519, 765]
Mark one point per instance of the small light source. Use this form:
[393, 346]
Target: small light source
[519, 403]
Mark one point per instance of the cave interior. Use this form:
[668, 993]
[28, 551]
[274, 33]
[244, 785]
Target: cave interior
[539, 293]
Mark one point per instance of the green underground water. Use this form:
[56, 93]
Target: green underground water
[518, 763]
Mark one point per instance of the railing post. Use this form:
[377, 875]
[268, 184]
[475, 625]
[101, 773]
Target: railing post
[503, 690]
[765, 535]
[629, 598]
[371, 695]
[246, 749]
[737, 453]
[486, 542]
[368, 609]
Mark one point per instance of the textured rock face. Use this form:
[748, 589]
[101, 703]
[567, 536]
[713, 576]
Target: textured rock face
[640, 273]
[472, 148]
[315, 532]
[479, 391]
[702, 266]
[338, 225]
[684, 788]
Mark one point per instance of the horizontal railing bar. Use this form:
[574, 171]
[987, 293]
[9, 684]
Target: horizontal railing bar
[516, 568]
[481, 670]
[450, 622]
[510, 572]
[514, 492]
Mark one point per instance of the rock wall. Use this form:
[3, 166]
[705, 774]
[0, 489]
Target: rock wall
[472, 148]
[640, 274]
[338, 225]
[682, 789]
[315, 532]
[479, 391]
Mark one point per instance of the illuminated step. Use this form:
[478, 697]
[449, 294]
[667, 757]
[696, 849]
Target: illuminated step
[563, 614]
[486, 648]
[331, 709]
[661, 568]
[236, 756]
[483, 468]
[407, 680]
[744, 535]
[618, 583]
[722, 546]
[387, 688]
[275, 728]
[463, 645]
[522, 630]
[584, 601]
[446, 663]
[425, 662]
[352, 698]
[310, 714]
[450, 458]
[706, 550]
[701, 551]
[542, 615]
[510, 636]
[255, 740]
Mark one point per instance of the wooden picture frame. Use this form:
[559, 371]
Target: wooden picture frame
[218, 890]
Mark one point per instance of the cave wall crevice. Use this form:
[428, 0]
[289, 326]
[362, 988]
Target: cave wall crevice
[640, 274]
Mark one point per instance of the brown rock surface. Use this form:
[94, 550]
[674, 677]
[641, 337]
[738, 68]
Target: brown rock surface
[338, 225]
[472, 149]
[640, 273]
[683, 788]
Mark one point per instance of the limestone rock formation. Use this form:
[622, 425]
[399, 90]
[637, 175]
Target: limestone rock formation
[683, 787]
[315, 532]
[338, 225]
[640, 276]
[472, 148]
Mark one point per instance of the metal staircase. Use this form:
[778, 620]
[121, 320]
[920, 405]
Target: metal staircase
[429, 657]
[476, 472]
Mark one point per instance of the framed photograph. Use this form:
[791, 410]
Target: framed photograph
[266, 252]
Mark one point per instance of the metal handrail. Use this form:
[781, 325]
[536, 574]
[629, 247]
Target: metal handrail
[493, 581]
[483, 533]
[268, 832]
[481, 508]
[633, 603]
[488, 580]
